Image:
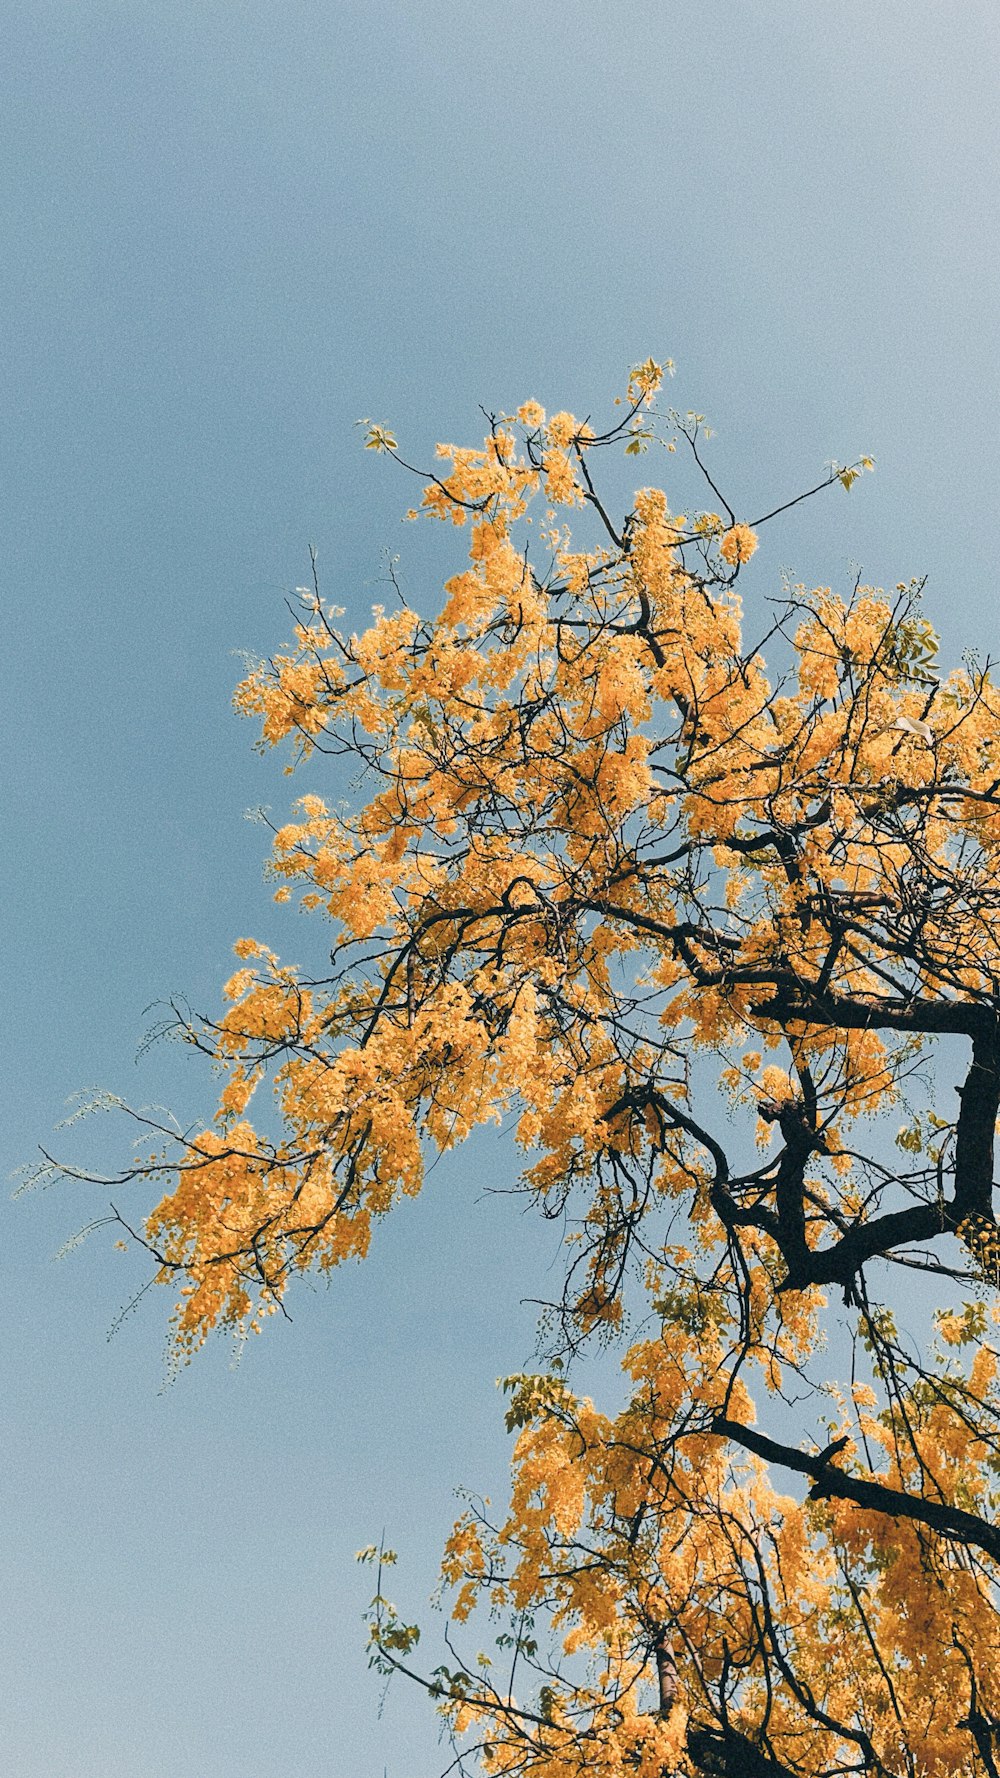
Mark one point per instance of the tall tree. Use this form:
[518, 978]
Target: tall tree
[625, 884]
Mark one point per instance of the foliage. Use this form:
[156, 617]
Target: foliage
[620, 881]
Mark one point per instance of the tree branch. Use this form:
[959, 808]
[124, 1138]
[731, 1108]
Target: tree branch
[829, 1482]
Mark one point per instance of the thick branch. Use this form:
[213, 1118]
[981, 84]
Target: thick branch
[841, 1263]
[829, 1482]
[973, 1194]
[667, 1677]
[789, 1187]
[979, 1095]
[725, 1753]
[794, 1003]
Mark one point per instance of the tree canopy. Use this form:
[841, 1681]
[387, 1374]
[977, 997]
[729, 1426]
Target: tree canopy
[700, 905]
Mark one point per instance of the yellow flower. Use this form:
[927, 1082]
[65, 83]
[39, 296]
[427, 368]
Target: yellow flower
[562, 428]
[247, 947]
[738, 544]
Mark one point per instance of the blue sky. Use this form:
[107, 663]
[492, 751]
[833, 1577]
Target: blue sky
[231, 229]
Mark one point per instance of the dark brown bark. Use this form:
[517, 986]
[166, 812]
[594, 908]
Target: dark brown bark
[829, 1482]
[725, 1753]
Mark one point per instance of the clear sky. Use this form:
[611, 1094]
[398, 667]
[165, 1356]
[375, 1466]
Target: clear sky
[231, 228]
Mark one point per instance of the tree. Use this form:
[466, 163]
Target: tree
[618, 880]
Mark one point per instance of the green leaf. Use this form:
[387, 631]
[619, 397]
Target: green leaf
[534, 1398]
[379, 438]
